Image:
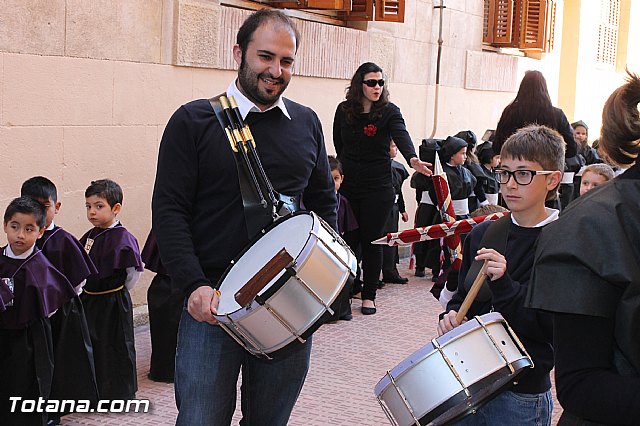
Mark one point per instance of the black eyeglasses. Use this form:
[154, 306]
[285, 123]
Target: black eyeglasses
[522, 177]
[372, 83]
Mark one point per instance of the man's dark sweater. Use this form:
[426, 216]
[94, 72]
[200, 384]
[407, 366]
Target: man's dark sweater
[198, 213]
[533, 327]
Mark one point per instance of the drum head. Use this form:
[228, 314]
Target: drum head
[292, 233]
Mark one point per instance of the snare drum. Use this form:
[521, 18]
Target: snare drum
[289, 307]
[454, 374]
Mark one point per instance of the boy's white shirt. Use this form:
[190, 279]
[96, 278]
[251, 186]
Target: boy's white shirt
[9, 253]
[552, 214]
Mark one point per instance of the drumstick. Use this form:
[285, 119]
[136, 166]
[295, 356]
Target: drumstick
[250, 290]
[473, 292]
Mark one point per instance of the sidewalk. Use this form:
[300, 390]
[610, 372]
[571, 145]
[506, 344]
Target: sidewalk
[347, 360]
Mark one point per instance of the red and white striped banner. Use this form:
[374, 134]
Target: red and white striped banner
[433, 232]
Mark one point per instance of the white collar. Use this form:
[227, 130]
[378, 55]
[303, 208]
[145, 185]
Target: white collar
[552, 214]
[50, 227]
[246, 106]
[9, 253]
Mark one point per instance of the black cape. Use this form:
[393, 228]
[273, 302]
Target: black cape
[165, 303]
[110, 316]
[74, 375]
[26, 351]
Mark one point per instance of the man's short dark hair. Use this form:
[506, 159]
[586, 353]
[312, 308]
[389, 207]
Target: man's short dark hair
[40, 188]
[335, 164]
[253, 22]
[107, 189]
[26, 205]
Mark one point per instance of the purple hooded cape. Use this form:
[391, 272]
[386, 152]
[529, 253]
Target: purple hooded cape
[151, 255]
[65, 252]
[113, 248]
[40, 289]
[346, 219]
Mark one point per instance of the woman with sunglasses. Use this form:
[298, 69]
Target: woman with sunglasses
[363, 127]
[590, 280]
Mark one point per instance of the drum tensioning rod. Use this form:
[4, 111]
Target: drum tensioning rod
[495, 344]
[523, 350]
[402, 397]
[248, 339]
[435, 343]
[284, 323]
[312, 292]
[332, 251]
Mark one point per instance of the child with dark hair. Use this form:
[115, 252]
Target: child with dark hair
[346, 222]
[106, 297]
[32, 290]
[165, 302]
[478, 198]
[531, 165]
[489, 160]
[74, 373]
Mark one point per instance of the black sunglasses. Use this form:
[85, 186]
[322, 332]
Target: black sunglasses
[372, 82]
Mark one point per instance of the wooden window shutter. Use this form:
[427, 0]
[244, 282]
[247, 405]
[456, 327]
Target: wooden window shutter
[311, 4]
[532, 31]
[361, 10]
[390, 10]
[550, 29]
[499, 22]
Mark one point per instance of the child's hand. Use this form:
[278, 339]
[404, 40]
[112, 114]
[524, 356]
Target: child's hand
[448, 322]
[203, 304]
[497, 265]
[405, 217]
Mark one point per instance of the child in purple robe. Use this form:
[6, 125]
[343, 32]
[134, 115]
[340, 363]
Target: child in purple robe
[109, 311]
[74, 373]
[346, 222]
[32, 290]
[165, 303]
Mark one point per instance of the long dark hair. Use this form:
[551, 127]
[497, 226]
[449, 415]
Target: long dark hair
[620, 134]
[353, 105]
[532, 103]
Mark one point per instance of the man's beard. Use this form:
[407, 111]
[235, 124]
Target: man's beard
[249, 82]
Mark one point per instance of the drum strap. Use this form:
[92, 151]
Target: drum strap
[495, 237]
[256, 213]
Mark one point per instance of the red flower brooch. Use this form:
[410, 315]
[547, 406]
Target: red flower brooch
[370, 130]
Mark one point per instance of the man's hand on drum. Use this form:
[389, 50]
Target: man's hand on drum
[421, 166]
[448, 322]
[497, 265]
[203, 304]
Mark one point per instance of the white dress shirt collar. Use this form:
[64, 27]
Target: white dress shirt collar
[246, 106]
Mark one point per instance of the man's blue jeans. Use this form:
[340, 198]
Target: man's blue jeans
[511, 408]
[208, 362]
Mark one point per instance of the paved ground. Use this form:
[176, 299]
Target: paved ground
[348, 359]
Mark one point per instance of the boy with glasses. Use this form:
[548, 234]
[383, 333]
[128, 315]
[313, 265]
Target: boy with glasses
[530, 172]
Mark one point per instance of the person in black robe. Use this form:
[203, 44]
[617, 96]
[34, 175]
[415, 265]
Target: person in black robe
[461, 186]
[109, 311]
[478, 198]
[74, 373]
[489, 159]
[32, 289]
[590, 281]
[165, 302]
[390, 257]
